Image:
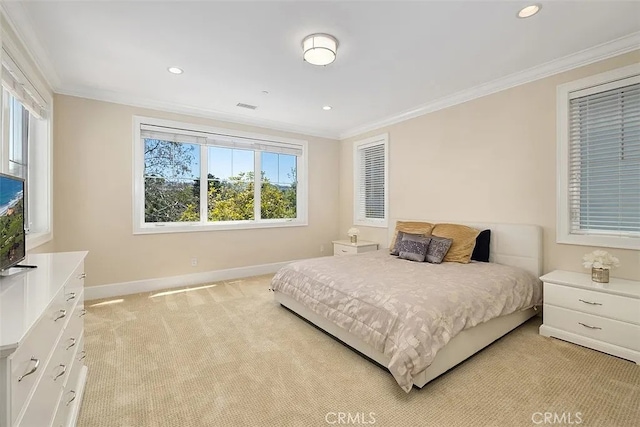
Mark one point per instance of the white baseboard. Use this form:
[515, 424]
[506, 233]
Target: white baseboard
[151, 285]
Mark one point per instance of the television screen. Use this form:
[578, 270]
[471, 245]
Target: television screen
[12, 241]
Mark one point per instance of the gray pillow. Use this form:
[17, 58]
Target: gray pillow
[412, 250]
[399, 237]
[407, 236]
[438, 248]
[417, 238]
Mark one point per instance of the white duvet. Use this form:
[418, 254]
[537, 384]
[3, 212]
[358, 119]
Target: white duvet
[404, 309]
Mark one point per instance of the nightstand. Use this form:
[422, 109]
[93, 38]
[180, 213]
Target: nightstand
[345, 247]
[601, 316]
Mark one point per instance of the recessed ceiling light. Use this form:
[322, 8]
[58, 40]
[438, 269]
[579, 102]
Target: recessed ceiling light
[529, 11]
[326, 107]
[175, 70]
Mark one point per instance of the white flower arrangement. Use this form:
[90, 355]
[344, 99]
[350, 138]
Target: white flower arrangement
[600, 259]
[353, 232]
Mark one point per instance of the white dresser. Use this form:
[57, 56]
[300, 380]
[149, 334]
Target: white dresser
[345, 247]
[42, 373]
[601, 316]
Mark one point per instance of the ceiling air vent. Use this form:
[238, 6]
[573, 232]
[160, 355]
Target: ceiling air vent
[248, 106]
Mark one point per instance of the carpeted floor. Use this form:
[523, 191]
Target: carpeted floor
[226, 355]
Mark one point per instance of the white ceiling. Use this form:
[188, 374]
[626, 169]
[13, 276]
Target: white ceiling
[393, 58]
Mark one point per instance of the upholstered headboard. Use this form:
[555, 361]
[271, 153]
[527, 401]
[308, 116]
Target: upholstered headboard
[518, 245]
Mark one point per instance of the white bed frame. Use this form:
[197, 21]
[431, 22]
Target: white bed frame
[511, 244]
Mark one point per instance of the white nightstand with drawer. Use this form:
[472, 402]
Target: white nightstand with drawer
[601, 316]
[345, 247]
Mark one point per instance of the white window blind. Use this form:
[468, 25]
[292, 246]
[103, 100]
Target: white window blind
[604, 159]
[371, 181]
[206, 138]
[17, 83]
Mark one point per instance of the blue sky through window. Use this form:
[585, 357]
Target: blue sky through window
[277, 167]
[227, 162]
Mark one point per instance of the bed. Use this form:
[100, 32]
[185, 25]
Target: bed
[415, 318]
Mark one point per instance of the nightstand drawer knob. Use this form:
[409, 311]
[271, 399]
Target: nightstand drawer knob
[589, 302]
[588, 326]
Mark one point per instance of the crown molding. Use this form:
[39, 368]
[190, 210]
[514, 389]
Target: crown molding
[171, 107]
[18, 18]
[588, 56]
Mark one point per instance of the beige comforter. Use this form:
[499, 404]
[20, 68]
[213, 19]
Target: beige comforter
[406, 310]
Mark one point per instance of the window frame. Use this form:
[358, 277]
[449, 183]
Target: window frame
[142, 227]
[563, 212]
[38, 187]
[358, 219]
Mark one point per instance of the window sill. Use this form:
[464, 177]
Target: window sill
[599, 241]
[230, 225]
[38, 239]
[372, 223]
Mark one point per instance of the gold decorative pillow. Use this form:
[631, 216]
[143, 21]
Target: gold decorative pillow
[464, 240]
[411, 227]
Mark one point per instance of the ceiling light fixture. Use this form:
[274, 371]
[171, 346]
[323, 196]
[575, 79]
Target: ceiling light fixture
[529, 11]
[175, 70]
[319, 49]
[327, 107]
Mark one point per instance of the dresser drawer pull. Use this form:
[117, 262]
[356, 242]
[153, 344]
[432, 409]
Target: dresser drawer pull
[73, 342]
[84, 354]
[589, 302]
[344, 251]
[82, 275]
[588, 326]
[63, 313]
[82, 312]
[72, 295]
[64, 370]
[72, 399]
[35, 368]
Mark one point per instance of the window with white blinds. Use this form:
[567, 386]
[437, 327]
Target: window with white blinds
[26, 148]
[195, 178]
[371, 181]
[600, 140]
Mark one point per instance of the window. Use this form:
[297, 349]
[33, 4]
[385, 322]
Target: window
[172, 161]
[25, 153]
[371, 181]
[599, 160]
[18, 137]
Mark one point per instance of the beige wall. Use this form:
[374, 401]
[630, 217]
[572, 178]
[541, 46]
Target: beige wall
[93, 202]
[492, 159]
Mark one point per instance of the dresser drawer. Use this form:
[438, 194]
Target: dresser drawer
[70, 390]
[68, 344]
[62, 413]
[598, 303]
[43, 403]
[75, 284]
[64, 409]
[599, 328]
[33, 353]
[46, 399]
